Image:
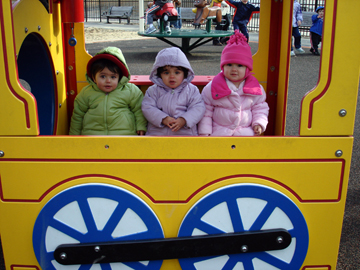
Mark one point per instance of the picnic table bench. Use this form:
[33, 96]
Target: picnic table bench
[186, 35]
[119, 12]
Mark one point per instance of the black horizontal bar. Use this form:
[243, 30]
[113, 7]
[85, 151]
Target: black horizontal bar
[172, 248]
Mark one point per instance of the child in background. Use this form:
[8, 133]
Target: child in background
[109, 105]
[177, 24]
[242, 15]
[173, 105]
[150, 13]
[316, 30]
[234, 100]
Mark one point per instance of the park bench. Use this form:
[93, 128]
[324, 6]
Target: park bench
[187, 14]
[307, 21]
[121, 12]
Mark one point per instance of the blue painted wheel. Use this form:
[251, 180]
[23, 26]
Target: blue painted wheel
[247, 207]
[93, 213]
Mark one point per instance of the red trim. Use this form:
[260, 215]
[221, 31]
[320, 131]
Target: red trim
[329, 77]
[23, 266]
[23, 100]
[178, 161]
[144, 80]
[287, 72]
[316, 266]
[50, 6]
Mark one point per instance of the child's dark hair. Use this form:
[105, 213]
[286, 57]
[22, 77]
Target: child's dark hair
[161, 70]
[100, 64]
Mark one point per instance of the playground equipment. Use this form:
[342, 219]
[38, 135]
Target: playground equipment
[203, 12]
[166, 14]
[81, 202]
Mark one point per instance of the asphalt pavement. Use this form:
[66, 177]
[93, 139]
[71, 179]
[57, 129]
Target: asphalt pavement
[304, 70]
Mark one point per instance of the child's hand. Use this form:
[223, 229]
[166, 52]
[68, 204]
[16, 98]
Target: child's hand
[140, 132]
[167, 121]
[257, 130]
[174, 124]
[177, 124]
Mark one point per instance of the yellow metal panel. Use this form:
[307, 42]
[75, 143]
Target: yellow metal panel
[170, 175]
[15, 101]
[338, 84]
[48, 27]
[81, 56]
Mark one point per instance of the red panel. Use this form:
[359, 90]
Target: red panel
[274, 63]
[72, 11]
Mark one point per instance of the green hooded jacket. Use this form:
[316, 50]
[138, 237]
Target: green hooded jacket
[115, 113]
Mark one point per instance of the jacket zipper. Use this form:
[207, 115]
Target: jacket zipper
[105, 114]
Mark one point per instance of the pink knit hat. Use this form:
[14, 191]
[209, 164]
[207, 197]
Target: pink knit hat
[237, 51]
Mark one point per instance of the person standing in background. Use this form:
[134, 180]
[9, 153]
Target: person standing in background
[316, 30]
[296, 22]
[177, 24]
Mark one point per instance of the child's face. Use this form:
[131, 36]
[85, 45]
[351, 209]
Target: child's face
[172, 76]
[234, 72]
[106, 80]
[321, 13]
[245, 1]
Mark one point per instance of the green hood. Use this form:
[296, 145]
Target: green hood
[119, 55]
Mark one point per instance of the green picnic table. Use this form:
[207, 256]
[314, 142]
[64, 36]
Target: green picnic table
[186, 35]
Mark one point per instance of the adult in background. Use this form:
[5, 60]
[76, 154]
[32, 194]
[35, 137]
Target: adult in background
[177, 24]
[296, 22]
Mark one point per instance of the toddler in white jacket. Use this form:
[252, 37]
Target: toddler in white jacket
[234, 99]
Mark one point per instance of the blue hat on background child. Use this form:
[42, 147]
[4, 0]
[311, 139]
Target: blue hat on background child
[237, 51]
[319, 8]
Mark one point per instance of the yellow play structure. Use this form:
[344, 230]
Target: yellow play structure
[112, 202]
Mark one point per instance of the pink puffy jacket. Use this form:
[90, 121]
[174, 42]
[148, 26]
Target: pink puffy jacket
[233, 112]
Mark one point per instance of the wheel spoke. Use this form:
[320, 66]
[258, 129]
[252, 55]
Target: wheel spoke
[115, 218]
[85, 267]
[136, 236]
[65, 229]
[208, 228]
[87, 215]
[248, 265]
[235, 215]
[263, 216]
[136, 265]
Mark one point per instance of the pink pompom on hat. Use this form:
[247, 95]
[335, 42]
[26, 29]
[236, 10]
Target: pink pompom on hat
[237, 51]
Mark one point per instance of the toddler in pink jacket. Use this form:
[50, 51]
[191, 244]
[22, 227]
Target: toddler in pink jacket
[234, 99]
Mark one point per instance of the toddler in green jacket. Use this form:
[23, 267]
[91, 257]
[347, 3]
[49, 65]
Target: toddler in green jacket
[109, 105]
